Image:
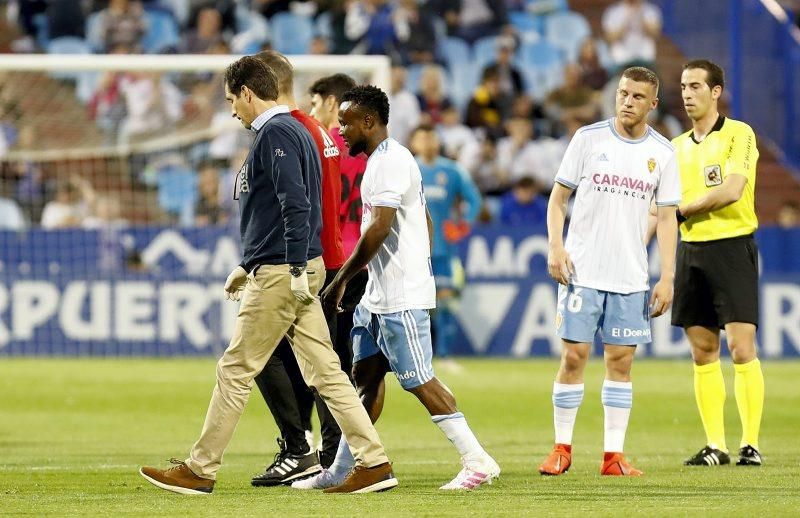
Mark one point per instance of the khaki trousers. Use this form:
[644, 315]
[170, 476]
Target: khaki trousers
[268, 312]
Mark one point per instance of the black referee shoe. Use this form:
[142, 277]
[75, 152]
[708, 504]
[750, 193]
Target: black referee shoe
[748, 456]
[287, 468]
[708, 456]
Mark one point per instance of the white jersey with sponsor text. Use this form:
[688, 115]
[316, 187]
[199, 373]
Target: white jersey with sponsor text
[400, 275]
[615, 181]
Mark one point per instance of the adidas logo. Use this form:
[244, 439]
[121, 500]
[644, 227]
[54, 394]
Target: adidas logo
[602, 157]
[331, 150]
[711, 459]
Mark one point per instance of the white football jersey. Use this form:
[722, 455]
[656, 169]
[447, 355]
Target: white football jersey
[400, 274]
[615, 181]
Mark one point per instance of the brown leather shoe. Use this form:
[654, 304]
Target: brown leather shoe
[178, 479]
[366, 480]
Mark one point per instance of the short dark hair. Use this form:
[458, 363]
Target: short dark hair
[715, 76]
[642, 75]
[335, 85]
[254, 74]
[282, 68]
[526, 182]
[490, 72]
[427, 128]
[370, 98]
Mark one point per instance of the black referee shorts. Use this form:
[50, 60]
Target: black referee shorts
[716, 282]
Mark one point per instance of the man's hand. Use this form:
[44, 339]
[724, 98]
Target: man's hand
[332, 296]
[235, 283]
[300, 289]
[559, 265]
[661, 298]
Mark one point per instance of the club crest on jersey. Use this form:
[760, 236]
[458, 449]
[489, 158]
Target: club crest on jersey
[712, 174]
[651, 165]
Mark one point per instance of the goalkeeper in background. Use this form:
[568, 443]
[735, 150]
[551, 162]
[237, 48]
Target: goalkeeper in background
[716, 282]
[454, 203]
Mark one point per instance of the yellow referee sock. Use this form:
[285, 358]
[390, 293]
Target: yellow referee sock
[749, 389]
[709, 392]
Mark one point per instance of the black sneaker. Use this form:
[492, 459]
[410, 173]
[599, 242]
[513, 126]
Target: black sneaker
[708, 456]
[748, 456]
[287, 467]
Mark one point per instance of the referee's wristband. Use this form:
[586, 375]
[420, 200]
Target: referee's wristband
[681, 217]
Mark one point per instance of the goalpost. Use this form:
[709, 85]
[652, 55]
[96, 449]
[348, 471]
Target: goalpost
[84, 72]
[117, 218]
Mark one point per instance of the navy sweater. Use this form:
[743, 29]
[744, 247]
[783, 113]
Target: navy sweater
[279, 195]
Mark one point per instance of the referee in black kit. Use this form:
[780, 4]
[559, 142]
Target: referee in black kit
[279, 200]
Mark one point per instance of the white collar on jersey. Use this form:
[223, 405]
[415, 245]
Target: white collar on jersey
[262, 119]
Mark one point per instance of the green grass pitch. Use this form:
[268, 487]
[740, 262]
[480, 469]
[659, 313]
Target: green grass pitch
[73, 434]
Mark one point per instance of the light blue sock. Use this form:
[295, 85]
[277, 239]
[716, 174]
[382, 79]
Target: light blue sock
[344, 460]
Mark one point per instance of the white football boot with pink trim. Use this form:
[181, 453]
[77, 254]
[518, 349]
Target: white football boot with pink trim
[474, 474]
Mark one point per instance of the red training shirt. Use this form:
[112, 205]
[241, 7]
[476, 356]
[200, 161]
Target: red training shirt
[331, 236]
[352, 169]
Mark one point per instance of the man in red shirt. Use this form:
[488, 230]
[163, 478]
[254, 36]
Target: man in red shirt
[281, 382]
[325, 96]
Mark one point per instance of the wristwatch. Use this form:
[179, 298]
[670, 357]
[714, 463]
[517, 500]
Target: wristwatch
[297, 269]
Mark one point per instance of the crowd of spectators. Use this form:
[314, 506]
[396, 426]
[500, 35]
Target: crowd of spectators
[505, 83]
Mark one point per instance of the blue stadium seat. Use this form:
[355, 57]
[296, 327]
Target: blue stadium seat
[485, 51]
[604, 54]
[539, 7]
[540, 81]
[413, 73]
[92, 29]
[464, 81]
[455, 52]
[180, 9]
[525, 22]
[252, 30]
[567, 30]
[292, 33]
[42, 30]
[540, 54]
[322, 26]
[67, 45]
[439, 27]
[87, 84]
[162, 32]
[177, 192]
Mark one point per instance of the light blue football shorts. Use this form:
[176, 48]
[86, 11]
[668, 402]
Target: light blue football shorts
[404, 338]
[623, 319]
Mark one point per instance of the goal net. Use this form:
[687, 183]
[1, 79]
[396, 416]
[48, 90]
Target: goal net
[117, 219]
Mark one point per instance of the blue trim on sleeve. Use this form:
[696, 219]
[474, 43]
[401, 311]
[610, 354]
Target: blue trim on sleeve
[383, 203]
[566, 183]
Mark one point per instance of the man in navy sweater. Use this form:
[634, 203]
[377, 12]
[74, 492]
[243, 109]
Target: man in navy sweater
[278, 189]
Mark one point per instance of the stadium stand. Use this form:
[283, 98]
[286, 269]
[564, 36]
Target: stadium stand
[549, 34]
